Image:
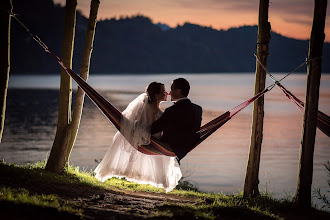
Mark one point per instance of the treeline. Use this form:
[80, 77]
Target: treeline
[137, 45]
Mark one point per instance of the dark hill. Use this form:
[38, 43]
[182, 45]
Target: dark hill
[136, 45]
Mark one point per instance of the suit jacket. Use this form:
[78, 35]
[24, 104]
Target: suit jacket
[179, 124]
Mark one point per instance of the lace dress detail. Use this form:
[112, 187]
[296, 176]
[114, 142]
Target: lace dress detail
[122, 160]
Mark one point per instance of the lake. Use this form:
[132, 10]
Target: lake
[216, 165]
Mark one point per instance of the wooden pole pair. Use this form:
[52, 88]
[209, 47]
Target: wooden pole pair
[314, 69]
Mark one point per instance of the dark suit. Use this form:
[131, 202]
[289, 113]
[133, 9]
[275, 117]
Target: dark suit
[179, 125]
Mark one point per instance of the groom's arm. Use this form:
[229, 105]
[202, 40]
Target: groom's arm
[159, 124]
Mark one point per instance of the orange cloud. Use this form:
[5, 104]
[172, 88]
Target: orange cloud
[290, 18]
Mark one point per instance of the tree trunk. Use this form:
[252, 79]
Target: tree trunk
[70, 128]
[305, 175]
[252, 171]
[4, 58]
[62, 137]
[84, 70]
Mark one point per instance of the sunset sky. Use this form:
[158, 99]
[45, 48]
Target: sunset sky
[291, 18]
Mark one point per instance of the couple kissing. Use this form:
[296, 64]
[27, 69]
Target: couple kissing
[176, 126]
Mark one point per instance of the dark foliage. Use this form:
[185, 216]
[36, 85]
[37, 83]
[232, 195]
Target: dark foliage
[323, 198]
[136, 45]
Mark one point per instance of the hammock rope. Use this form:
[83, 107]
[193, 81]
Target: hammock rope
[294, 70]
[156, 147]
[323, 120]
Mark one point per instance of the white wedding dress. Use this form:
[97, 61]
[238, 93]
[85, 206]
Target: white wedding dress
[122, 158]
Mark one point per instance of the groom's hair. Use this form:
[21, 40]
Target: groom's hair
[183, 85]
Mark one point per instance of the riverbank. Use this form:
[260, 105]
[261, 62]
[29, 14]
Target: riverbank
[29, 192]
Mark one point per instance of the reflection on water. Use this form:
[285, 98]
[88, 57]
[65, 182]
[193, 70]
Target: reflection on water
[30, 124]
[218, 164]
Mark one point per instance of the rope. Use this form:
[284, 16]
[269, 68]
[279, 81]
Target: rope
[9, 12]
[240, 107]
[37, 39]
[114, 115]
[294, 70]
[298, 67]
[262, 65]
[34, 36]
[106, 107]
[41, 43]
[287, 93]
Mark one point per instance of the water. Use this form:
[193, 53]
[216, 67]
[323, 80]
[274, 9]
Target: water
[216, 165]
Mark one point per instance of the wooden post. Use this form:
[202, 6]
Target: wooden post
[4, 58]
[314, 68]
[56, 156]
[252, 171]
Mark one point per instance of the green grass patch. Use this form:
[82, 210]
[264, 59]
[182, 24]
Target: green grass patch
[211, 206]
[198, 204]
[23, 196]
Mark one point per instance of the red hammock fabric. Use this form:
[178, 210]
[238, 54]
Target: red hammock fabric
[323, 120]
[156, 147]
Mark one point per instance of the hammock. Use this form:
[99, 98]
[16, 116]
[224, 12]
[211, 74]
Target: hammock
[156, 147]
[322, 121]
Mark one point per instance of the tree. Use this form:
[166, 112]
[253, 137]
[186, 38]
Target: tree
[252, 171]
[56, 156]
[314, 69]
[68, 128]
[4, 58]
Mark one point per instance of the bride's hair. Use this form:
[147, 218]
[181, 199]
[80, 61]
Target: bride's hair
[153, 89]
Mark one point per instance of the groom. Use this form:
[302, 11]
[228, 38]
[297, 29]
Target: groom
[181, 121]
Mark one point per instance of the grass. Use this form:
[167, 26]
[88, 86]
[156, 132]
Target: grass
[202, 205]
[323, 197]
[22, 196]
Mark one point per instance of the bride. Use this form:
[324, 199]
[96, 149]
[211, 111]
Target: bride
[123, 159]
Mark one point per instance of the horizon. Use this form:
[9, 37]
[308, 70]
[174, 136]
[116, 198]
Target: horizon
[178, 25]
[291, 19]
